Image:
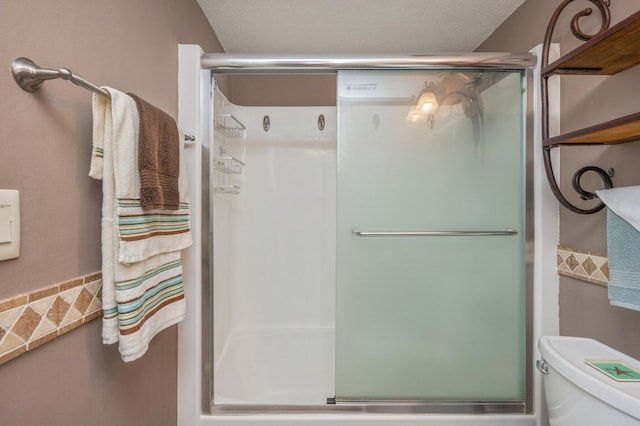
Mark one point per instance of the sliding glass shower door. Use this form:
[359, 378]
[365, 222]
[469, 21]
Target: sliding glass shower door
[430, 236]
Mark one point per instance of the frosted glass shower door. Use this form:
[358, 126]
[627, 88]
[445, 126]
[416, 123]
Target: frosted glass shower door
[430, 317]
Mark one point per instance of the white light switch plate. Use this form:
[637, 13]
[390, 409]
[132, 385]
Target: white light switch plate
[9, 224]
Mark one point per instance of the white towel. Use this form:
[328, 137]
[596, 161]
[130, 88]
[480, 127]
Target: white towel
[103, 134]
[623, 245]
[141, 270]
[624, 201]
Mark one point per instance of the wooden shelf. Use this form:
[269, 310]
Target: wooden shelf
[620, 130]
[610, 52]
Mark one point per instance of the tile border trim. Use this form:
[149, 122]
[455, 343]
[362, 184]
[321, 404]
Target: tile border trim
[584, 265]
[28, 321]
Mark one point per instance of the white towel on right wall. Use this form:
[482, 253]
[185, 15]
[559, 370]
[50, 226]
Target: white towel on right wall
[623, 245]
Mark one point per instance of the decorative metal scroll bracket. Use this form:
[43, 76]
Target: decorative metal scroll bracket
[585, 195]
[603, 8]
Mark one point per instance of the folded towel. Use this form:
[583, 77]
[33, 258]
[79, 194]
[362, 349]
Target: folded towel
[145, 233]
[150, 298]
[624, 201]
[103, 130]
[158, 163]
[140, 297]
[623, 245]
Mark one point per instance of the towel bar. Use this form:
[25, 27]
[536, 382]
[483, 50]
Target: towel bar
[30, 77]
[501, 232]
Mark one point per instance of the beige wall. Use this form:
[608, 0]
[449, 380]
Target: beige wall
[283, 90]
[45, 146]
[584, 308]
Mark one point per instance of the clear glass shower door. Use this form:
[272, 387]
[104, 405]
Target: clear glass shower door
[424, 316]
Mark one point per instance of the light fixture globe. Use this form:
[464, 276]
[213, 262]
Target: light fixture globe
[427, 101]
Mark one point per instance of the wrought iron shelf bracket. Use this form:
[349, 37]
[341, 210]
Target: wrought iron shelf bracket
[609, 51]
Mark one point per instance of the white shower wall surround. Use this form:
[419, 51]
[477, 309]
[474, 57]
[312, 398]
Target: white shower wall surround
[274, 260]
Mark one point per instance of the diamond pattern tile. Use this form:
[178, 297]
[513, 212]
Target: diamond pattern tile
[8, 318]
[27, 323]
[42, 306]
[30, 320]
[572, 262]
[43, 328]
[94, 286]
[583, 265]
[82, 301]
[599, 277]
[94, 306]
[589, 266]
[58, 310]
[605, 270]
[580, 257]
[564, 268]
[10, 342]
[70, 295]
[71, 316]
[579, 271]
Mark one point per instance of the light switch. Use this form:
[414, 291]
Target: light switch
[9, 224]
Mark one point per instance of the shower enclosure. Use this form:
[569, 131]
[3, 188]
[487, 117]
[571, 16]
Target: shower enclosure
[371, 256]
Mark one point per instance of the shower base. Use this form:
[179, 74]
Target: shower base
[291, 370]
[276, 366]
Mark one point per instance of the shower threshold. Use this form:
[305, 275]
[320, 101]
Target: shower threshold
[376, 407]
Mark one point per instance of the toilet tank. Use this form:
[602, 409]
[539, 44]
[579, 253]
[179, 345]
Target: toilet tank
[578, 394]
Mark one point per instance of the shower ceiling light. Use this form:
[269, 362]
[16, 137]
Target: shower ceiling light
[426, 106]
[427, 101]
[454, 89]
[415, 114]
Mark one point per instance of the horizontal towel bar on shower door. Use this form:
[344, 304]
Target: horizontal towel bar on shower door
[500, 232]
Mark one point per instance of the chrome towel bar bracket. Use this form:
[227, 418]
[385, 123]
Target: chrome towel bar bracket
[30, 76]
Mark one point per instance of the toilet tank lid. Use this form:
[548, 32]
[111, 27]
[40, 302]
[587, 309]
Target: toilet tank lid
[567, 355]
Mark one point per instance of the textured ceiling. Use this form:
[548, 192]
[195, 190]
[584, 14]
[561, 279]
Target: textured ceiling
[355, 26]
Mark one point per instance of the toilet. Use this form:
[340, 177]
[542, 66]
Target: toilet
[579, 394]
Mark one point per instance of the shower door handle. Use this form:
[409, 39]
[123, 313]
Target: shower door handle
[500, 232]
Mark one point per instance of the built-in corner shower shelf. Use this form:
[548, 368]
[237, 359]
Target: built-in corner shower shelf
[230, 165]
[227, 189]
[229, 126]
